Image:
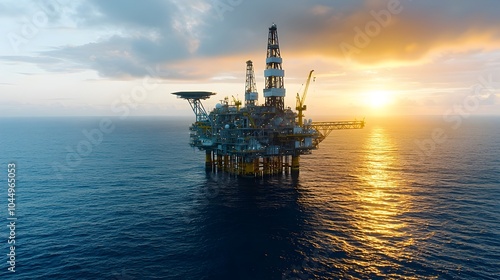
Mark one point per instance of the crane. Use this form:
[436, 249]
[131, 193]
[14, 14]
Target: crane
[237, 103]
[300, 107]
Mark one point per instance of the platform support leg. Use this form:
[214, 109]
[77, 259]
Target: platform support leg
[295, 164]
[208, 160]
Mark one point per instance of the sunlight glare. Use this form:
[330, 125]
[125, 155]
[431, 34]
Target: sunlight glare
[378, 98]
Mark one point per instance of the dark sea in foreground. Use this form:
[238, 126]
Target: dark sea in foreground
[138, 204]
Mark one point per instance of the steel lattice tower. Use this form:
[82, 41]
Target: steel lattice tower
[251, 95]
[274, 91]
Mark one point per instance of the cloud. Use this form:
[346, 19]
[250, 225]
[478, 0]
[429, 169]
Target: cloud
[117, 56]
[12, 9]
[168, 33]
[415, 32]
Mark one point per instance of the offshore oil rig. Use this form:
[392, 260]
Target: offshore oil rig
[256, 140]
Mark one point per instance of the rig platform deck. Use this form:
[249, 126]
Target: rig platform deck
[257, 140]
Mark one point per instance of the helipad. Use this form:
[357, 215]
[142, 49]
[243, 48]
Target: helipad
[194, 94]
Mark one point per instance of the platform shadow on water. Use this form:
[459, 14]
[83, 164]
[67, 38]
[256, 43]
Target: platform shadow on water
[248, 228]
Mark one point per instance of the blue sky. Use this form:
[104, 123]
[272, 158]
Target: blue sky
[72, 58]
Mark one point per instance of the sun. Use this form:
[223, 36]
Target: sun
[378, 98]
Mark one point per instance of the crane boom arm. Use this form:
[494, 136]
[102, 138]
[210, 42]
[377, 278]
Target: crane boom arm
[300, 107]
[303, 99]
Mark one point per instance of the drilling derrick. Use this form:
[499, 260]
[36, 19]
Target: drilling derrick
[251, 95]
[274, 91]
[255, 140]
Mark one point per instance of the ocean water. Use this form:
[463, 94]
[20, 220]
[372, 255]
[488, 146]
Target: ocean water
[411, 198]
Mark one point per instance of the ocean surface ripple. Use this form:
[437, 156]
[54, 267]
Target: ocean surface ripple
[369, 204]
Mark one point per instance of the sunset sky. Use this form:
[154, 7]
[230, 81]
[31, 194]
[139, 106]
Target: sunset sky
[371, 58]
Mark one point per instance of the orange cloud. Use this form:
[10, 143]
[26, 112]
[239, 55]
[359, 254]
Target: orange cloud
[401, 32]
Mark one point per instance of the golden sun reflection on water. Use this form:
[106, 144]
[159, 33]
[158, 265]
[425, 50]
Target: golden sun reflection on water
[382, 199]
